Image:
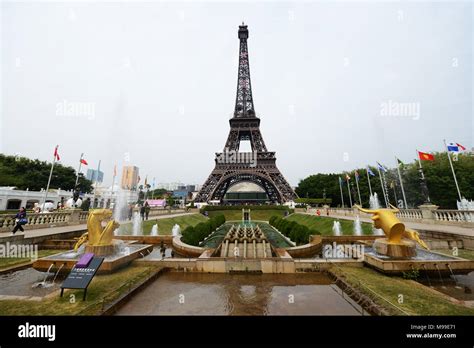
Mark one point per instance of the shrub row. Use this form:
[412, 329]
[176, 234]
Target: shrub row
[313, 201]
[192, 235]
[296, 232]
[240, 207]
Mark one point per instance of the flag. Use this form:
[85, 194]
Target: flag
[356, 174]
[381, 167]
[348, 177]
[139, 178]
[425, 156]
[146, 180]
[83, 161]
[455, 156]
[56, 154]
[399, 162]
[455, 147]
[371, 173]
[115, 170]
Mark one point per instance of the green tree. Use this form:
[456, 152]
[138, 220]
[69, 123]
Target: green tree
[25, 173]
[438, 175]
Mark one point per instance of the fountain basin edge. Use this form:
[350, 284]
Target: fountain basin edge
[109, 265]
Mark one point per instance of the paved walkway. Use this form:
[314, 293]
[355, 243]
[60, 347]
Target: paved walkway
[41, 232]
[465, 231]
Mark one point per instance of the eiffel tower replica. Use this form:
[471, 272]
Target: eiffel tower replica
[245, 125]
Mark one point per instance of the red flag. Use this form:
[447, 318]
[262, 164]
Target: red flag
[56, 154]
[425, 156]
[83, 161]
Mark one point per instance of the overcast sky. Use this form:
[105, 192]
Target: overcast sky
[159, 80]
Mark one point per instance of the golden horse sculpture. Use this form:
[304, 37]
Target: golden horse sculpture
[99, 239]
[398, 242]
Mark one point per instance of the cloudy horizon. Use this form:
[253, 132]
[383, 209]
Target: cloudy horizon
[337, 86]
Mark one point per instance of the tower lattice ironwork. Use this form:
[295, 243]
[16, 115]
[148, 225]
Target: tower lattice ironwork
[230, 169]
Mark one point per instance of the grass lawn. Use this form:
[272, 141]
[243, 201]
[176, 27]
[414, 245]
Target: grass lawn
[165, 225]
[7, 262]
[417, 299]
[324, 224]
[262, 215]
[462, 253]
[108, 286]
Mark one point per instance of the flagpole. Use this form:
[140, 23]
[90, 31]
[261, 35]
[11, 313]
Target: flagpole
[386, 189]
[368, 180]
[424, 187]
[358, 191]
[452, 169]
[78, 170]
[382, 185]
[349, 192]
[340, 187]
[395, 193]
[95, 186]
[401, 183]
[49, 181]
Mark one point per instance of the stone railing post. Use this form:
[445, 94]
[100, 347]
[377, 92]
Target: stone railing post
[74, 216]
[427, 212]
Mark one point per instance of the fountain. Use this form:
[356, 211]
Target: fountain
[374, 201]
[400, 248]
[137, 224]
[57, 272]
[154, 230]
[336, 228]
[99, 241]
[454, 277]
[357, 226]
[440, 277]
[400, 241]
[427, 276]
[46, 275]
[176, 230]
[120, 207]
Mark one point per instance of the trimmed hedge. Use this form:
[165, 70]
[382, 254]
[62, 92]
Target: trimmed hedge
[313, 200]
[240, 207]
[192, 235]
[296, 232]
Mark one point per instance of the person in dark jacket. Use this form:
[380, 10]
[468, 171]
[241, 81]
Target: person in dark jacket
[142, 212]
[147, 210]
[20, 219]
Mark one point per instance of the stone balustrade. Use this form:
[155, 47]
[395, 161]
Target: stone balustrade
[461, 216]
[62, 218]
[410, 214]
[424, 214]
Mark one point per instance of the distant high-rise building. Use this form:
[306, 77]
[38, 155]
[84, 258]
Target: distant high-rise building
[95, 175]
[129, 178]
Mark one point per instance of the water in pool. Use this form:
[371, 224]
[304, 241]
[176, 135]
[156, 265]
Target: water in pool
[224, 294]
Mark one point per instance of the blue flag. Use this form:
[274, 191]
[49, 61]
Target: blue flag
[381, 167]
[370, 171]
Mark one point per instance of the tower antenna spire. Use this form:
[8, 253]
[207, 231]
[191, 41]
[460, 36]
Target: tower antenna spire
[244, 101]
